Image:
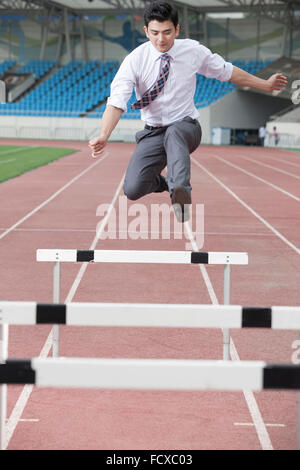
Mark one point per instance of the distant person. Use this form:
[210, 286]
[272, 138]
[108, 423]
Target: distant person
[163, 72]
[275, 135]
[262, 135]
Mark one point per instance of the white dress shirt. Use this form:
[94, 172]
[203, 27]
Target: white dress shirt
[140, 70]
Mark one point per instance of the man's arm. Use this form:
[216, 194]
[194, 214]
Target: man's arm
[110, 119]
[120, 92]
[242, 78]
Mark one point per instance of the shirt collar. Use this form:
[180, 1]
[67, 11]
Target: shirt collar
[155, 54]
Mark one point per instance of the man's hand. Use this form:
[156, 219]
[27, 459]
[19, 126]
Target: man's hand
[110, 119]
[276, 82]
[97, 144]
[242, 78]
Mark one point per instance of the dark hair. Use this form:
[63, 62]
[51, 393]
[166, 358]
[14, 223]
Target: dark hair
[160, 11]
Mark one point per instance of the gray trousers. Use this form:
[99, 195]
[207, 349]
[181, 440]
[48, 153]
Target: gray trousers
[167, 146]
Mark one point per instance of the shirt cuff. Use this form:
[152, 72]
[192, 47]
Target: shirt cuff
[113, 101]
[227, 74]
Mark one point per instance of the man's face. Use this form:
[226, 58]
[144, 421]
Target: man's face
[161, 34]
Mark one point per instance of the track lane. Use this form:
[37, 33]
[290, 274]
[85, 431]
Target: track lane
[279, 274]
[111, 426]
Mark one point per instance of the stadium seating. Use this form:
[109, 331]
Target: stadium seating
[81, 89]
[38, 67]
[6, 65]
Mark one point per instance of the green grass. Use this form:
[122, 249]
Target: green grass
[292, 150]
[16, 160]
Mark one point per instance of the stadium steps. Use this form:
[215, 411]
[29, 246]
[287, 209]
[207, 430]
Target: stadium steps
[37, 82]
[289, 114]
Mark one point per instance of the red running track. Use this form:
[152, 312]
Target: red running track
[251, 204]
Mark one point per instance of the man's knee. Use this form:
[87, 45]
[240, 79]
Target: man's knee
[132, 191]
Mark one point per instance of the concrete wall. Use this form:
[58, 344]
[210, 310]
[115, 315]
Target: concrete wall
[205, 123]
[236, 110]
[239, 110]
[288, 133]
[245, 110]
[56, 128]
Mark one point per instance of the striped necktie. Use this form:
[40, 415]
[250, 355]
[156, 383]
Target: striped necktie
[154, 91]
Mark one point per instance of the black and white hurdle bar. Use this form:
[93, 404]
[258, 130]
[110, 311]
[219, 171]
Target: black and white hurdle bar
[151, 374]
[138, 256]
[274, 376]
[149, 315]
[3, 388]
[142, 315]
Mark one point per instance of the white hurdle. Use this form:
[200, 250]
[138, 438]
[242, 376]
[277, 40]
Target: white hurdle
[3, 387]
[149, 315]
[137, 256]
[150, 374]
[161, 374]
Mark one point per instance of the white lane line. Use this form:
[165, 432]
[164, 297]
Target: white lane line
[275, 425]
[258, 422]
[23, 398]
[253, 212]
[274, 168]
[7, 161]
[252, 404]
[281, 161]
[28, 420]
[64, 230]
[6, 152]
[18, 409]
[142, 232]
[254, 410]
[274, 186]
[43, 204]
[94, 243]
[27, 389]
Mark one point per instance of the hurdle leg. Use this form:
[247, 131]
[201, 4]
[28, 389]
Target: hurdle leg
[3, 388]
[226, 331]
[298, 420]
[56, 299]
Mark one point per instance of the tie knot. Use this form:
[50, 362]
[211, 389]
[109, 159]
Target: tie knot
[165, 57]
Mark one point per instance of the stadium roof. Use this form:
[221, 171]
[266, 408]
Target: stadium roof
[127, 4]
[200, 5]
[285, 12]
[137, 6]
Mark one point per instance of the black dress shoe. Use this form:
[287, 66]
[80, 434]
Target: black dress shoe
[181, 201]
[163, 185]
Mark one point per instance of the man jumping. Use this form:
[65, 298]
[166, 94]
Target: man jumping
[163, 72]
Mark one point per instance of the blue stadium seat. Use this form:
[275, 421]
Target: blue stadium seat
[76, 89]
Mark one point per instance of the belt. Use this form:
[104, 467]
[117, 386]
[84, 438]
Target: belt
[152, 128]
